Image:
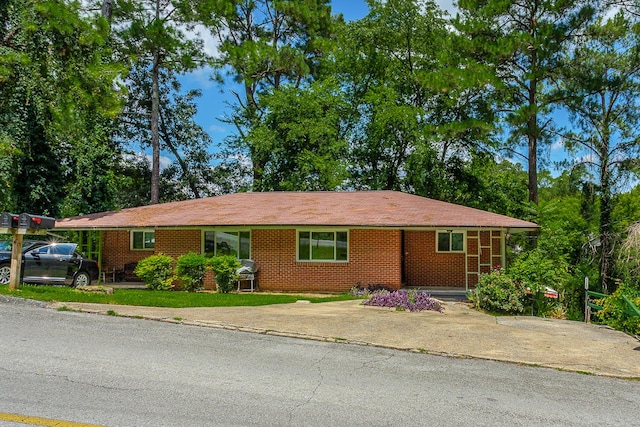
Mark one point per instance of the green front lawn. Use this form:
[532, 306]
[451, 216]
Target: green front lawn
[151, 298]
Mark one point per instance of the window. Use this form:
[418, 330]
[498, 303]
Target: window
[450, 241]
[143, 240]
[63, 248]
[237, 243]
[322, 246]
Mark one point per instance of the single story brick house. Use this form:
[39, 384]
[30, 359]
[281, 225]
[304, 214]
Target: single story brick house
[312, 241]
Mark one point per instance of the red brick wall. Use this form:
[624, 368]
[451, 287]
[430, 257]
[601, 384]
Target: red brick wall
[116, 250]
[178, 242]
[374, 258]
[426, 267]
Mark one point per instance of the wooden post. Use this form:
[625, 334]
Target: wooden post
[16, 261]
[587, 309]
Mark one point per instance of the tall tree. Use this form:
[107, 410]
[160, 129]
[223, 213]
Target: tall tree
[416, 110]
[152, 34]
[55, 89]
[601, 90]
[189, 172]
[300, 138]
[521, 43]
[266, 44]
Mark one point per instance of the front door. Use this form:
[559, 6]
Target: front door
[40, 265]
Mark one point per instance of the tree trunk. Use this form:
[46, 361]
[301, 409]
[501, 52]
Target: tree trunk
[532, 134]
[533, 169]
[155, 137]
[605, 229]
[107, 9]
[155, 116]
[532, 109]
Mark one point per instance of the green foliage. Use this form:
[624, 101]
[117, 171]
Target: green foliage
[155, 271]
[224, 268]
[497, 292]
[189, 175]
[58, 91]
[152, 35]
[484, 183]
[267, 45]
[191, 268]
[600, 92]
[537, 270]
[628, 262]
[417, 112]
[614, 312]
[8, 155]
[565, 214]
[299, 140]
[626, 209]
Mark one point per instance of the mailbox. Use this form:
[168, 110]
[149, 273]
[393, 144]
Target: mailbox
[8, 220]
[36, 222]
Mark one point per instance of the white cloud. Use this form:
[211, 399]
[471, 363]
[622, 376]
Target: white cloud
[164, 160]
[217, 129]
[558, 145]
[447, 6]
[210, 41]
[200, 78]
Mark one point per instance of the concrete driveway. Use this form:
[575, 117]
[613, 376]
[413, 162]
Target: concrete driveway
[458, 332]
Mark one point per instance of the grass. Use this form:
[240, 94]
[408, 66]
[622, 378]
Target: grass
[171, 299]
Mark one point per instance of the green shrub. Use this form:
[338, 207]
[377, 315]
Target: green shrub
[224, 268]
[191, 268]
[614, 309]
[155, 271]
[497, 292]
[537, 271]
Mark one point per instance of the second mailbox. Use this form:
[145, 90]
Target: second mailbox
[36, 222]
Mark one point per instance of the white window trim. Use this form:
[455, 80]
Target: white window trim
[450, 232]
[143, 231]
[323, 230]
[226, 230]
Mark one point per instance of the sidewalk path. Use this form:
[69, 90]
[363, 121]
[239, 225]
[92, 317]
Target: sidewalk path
[459, 332]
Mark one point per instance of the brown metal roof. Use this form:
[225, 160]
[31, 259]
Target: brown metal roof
[357, 208]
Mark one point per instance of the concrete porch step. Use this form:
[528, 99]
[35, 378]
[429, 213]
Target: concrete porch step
[442, 293]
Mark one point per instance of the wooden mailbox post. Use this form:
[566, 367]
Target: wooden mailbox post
[18, 226]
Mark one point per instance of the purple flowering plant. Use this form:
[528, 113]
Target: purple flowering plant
[403, 300]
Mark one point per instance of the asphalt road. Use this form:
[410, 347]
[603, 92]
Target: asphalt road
[116, 371]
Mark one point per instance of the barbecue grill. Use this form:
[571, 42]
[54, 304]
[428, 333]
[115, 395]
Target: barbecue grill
[247, 273]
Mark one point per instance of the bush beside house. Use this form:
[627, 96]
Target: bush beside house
[225, 268]
[190, 270]
[158, 271]
[497, 292]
